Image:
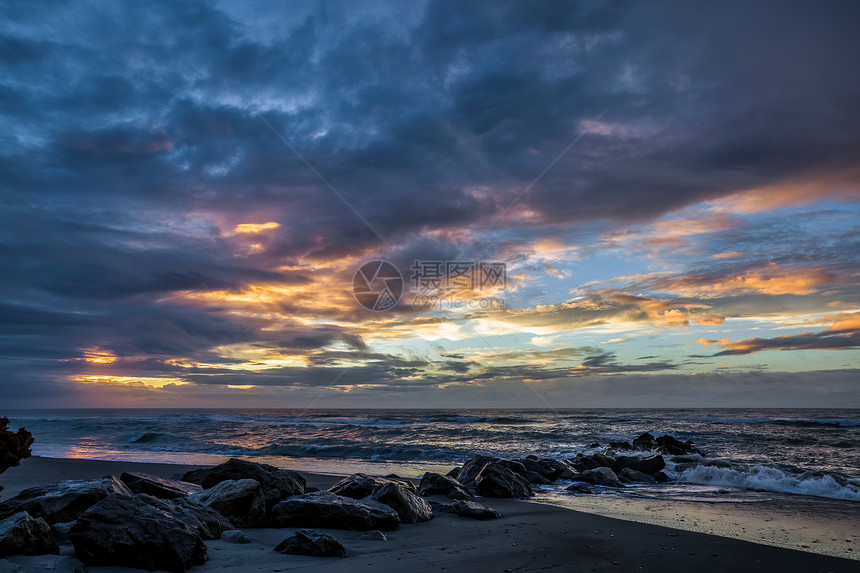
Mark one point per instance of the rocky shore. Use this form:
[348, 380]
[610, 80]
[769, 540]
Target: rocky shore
[147, 521]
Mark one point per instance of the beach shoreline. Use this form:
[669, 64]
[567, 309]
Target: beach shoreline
[594, 531]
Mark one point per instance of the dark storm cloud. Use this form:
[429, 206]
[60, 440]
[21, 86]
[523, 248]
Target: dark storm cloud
[133, 140]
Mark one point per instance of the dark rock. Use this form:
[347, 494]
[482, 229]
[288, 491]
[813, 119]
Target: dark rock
[644, 442]
[592, 446]
[435, 484]
[410, 507]
[325, 509]
[670, 446]
[14, 446]
[208, 523]
[498, 479]
[373, 535]
[235, 536]
[21, 534]
[549, 468]
[277, 484]
[468, 509]
[599, 476]
[581, 463]
[60, 531]
[649, 465]
[157, 486]
[602, 460]
[628, 475]
[63, 501]
[622, 446]
[240, 501]
[537, 479]
[685, 459]
[661, 477]
[313, 543]
[359, 486]
[454, 472]
[579, 488]
[470, 470]
[126, 531]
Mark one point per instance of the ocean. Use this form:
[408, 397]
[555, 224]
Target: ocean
[745, 452]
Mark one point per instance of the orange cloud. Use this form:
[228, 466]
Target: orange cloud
[773, 279]
[255, 227]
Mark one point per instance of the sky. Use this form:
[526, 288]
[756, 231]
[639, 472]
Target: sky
[189, 189]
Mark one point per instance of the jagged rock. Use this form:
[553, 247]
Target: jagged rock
[359, 486]
[537, 479]
[313, 543]
[579, 488]
[325, 509]
[498, 479]
[410, 507]
[581, 463]
[602, 460]
[63, 501]
[277, 484]
[649, 465]
[21, 534]
[599, 476]
[126, 531]
[470, 470]
[435, 484]
[661, 477]
[469, 509]
[157, 486]
[628, 475]
[454, 472]
[207, 522]
[373, 535]
[644, 442]
[622, 446]
[548, 468]
[14, 446]
[235, 536]
[60, 531]
[240, 501]
[670, 446]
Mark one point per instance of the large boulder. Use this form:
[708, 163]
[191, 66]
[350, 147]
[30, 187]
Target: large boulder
[241, 501]
[325, 509]
[435, 484]
[548, 468]
[649, 465]
[359, 486]
[21, 534]
[469, 471]
[628, 475]
[599, 476]
[313, 543]
[581, 463]
[158, 486]
[63, 501]
[277, 484]
[207, 522]
[602, 460]
[469, 509]
[671, 446]
[537, 479]
[126, 531]
[644, 442]
[410, 507]
[499, 479]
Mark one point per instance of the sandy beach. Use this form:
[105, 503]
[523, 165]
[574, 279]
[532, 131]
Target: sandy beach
[530, 537]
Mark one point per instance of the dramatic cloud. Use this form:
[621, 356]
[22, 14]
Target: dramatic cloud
[188, 189]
